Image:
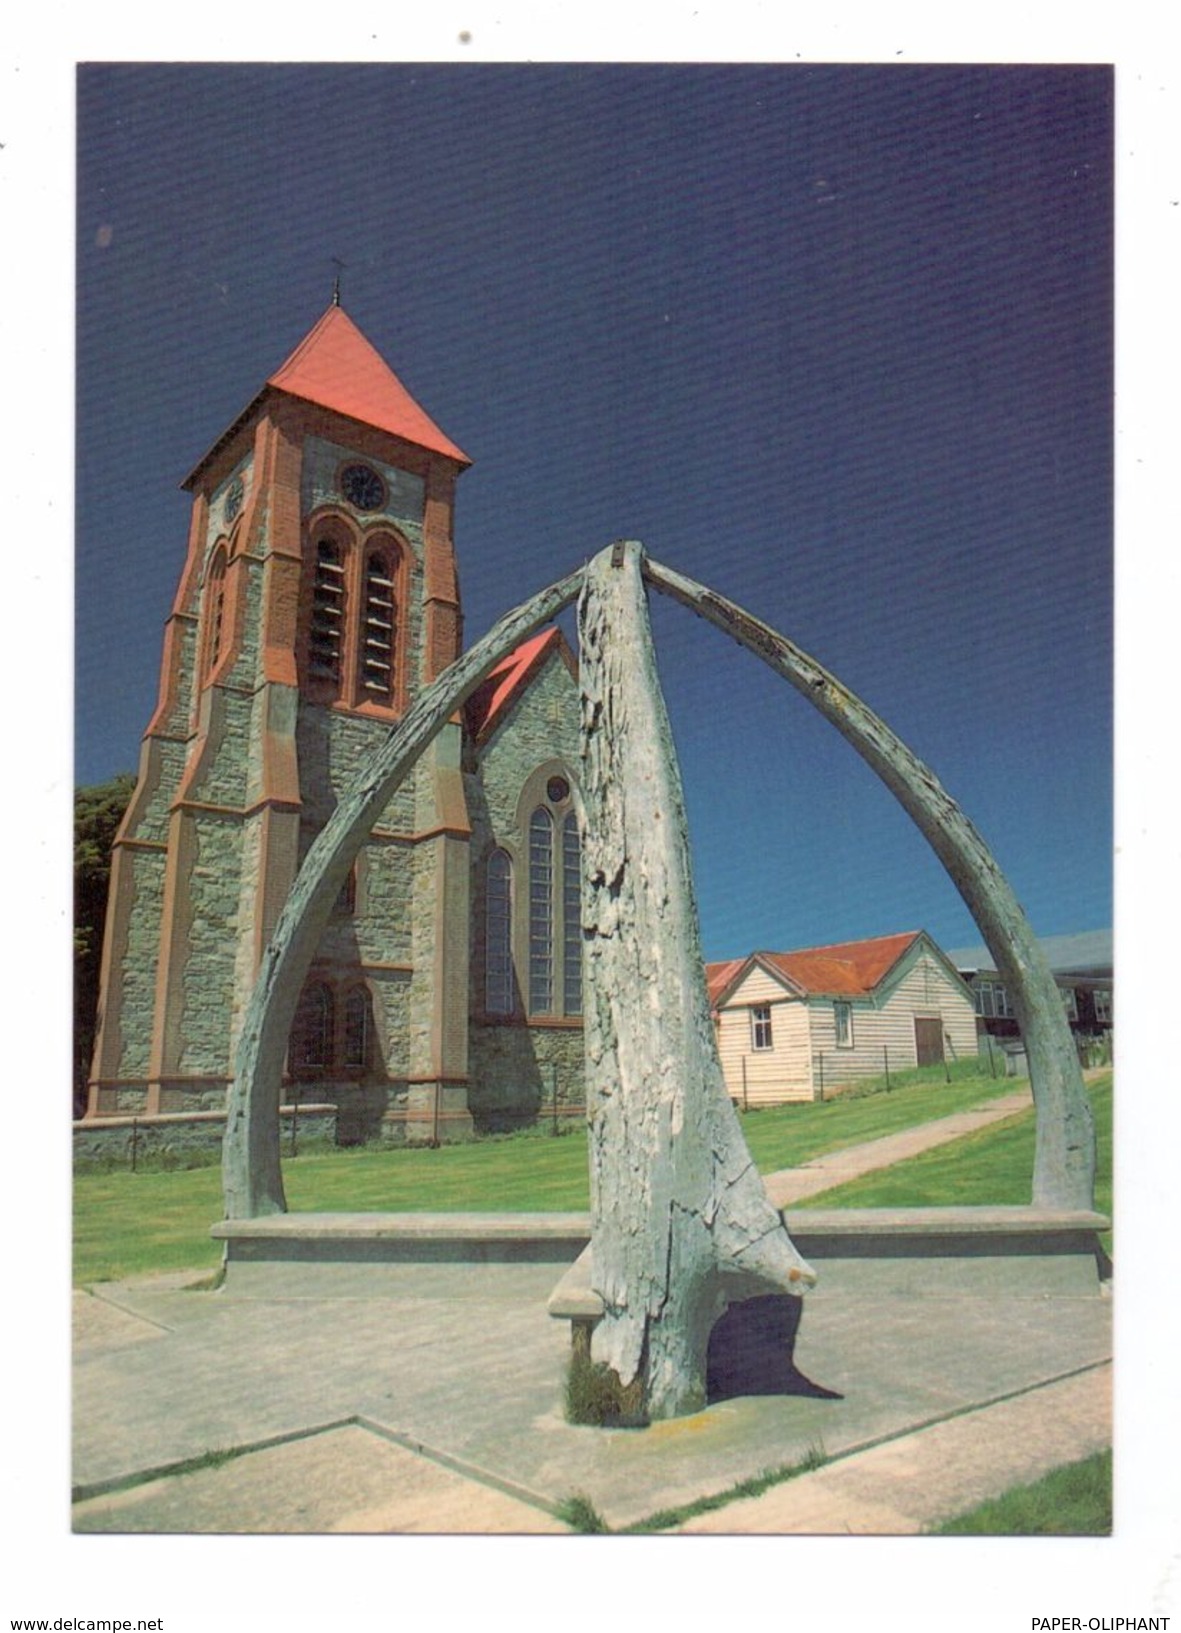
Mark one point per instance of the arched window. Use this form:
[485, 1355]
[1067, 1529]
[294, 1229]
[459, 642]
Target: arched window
[345, 904]
[498, 934]
[326, 644]
[355, 612]
[541, 912]
[379, 628]
[571, 917]
[357, 1028]
[546, 906]
[332, 1034]
[215, 607]
[314, 1027]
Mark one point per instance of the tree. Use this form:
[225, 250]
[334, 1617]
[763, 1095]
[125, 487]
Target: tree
[98, 812]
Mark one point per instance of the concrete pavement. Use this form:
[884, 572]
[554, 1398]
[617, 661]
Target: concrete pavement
[917, 1481]
[437, 1407]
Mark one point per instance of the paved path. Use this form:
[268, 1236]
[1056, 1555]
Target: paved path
[791, 1185]
[438, 1406]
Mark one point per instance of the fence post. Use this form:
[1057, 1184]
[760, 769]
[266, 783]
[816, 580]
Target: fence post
[554, 1100]
[886, 1058]
[294, 1119]
[820, 1059]
[745, 1106]
[991, 1061]
[134, 1141]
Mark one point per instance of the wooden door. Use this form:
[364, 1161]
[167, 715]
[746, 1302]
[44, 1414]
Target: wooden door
[928, 1041]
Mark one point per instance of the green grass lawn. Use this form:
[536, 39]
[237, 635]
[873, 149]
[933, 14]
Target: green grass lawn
[789, 1136]
[135, 1224]
[992, 1165]
[1074, 1501]
[130, 1224]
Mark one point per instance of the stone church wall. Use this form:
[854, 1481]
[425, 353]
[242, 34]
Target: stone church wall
[542, 725]
[138, 963]
[211, 942]
[515, 1065]
[515, 1070]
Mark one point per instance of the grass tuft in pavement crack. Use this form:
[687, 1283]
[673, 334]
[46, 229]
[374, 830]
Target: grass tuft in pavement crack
[207, 1284]
[666, 1519]
[580, 1514]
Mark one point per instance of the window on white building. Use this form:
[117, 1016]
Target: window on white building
[760, 1027]
[842, 1015]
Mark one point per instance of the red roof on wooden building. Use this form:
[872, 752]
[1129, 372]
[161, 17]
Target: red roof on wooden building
[847, 969]
[719, 976]
[850, 968]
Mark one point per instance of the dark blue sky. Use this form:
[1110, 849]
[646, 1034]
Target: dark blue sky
[835, 340]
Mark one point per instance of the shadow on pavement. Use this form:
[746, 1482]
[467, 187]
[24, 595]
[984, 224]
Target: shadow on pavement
[751, 1352]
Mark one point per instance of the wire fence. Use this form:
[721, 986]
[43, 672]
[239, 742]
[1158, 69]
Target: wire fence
[194, 1140]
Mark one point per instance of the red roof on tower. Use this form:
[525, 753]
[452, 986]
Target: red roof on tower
[335, 367]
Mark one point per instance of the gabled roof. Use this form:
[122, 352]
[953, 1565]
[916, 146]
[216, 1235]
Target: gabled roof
[490, 702]
[719, 976]
[850, 968]
[335, 367]
[847, 969]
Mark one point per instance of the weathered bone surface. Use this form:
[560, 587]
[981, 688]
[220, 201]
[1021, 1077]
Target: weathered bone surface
[251, 1174]
[681, 1222]
[1064, 1160]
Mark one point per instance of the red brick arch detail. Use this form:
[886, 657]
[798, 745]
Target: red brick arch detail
[355, 540]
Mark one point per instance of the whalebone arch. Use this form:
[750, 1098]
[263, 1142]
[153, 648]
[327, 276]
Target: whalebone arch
[1064, 1154]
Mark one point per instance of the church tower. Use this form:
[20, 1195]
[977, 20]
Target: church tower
[319, 594]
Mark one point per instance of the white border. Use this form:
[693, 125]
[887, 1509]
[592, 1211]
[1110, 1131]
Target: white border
[300, 1583]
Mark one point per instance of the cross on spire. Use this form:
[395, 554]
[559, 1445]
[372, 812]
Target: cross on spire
[340, 266]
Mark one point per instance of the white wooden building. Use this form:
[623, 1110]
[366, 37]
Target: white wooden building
[791, 1025]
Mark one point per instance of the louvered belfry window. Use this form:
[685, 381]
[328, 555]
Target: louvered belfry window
[215, 604]
[328, 614]
[378, 630]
